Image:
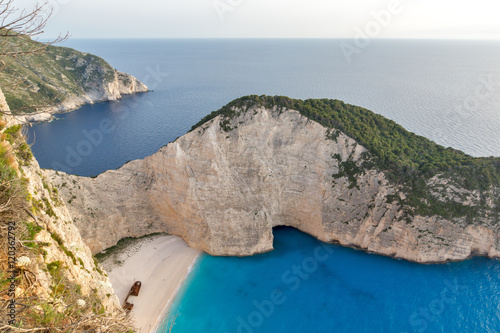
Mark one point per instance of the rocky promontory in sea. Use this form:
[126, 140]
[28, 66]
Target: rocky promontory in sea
[336, 171]
[60, 79]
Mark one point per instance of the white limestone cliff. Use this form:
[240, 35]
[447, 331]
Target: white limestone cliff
[60, 237]
[123, 84]
[224, 190]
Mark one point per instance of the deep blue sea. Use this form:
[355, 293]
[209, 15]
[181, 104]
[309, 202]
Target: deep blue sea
[448, 91]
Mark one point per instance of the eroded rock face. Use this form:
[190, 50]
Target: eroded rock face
[55, 222]
[95, 91]
[81, 268]
[59, 79]
[3, 103]
[223, 187]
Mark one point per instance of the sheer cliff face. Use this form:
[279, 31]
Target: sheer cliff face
[224, 186]
[58, 237]
[95, 90]
[65, 245]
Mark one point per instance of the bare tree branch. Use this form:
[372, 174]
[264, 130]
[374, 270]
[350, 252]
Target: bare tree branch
[17, 27]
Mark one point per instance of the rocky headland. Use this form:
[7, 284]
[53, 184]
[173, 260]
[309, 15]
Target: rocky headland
[263, 162]
[59, 80]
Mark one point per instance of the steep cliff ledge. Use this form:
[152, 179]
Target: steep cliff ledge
[59, 80]
[49, 280]
[258, 163]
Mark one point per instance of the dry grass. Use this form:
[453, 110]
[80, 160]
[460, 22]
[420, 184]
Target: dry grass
[60, 311]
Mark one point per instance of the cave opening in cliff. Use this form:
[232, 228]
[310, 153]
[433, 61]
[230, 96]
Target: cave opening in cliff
[283, 233]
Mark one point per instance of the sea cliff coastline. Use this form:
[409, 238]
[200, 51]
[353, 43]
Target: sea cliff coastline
[73, 105]
[114, 91]
[225, 185]
[60, 80]
[62, 269]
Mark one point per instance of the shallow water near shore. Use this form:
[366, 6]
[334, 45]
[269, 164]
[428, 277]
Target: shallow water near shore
[305, 285]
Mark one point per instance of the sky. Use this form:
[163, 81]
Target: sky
[443, 19]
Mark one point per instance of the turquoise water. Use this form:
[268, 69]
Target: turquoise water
[308, 286]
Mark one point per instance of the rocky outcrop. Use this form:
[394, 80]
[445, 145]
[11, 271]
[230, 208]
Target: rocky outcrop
[4, 107]
[65, 245]
[224, 186]
[61, 80]
[5, 110]
[58, 240]
[123, 84]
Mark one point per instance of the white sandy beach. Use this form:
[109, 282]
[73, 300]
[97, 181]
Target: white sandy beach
[161, 263]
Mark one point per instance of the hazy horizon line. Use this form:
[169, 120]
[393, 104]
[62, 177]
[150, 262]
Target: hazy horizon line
[291, 38]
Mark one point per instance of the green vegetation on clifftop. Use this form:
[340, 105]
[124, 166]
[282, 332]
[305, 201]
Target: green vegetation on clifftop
[406, 159]
[48, 78]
